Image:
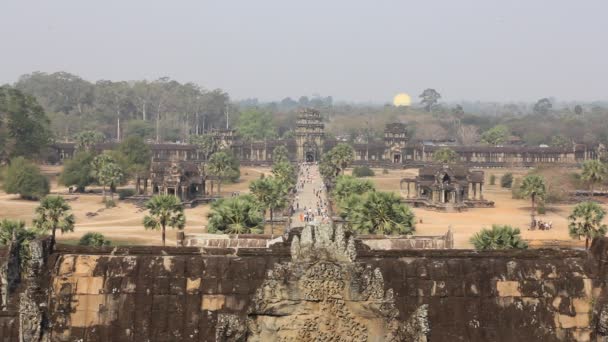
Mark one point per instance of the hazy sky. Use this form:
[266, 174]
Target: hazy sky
[353, 50]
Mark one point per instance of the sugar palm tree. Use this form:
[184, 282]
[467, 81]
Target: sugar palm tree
[99, 163]
[165, 210]
[499, 237]
[110, 175]
[349, 185]
[219, 166]
[586, 221]
[86, 141]
[280, 154]
[236, 215]
[533, 187]
[594, 172]
[52, 214]
[343, 154]
[382, 213]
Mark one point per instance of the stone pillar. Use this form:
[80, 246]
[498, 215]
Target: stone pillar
[184, 194]
[474, 191]
[481, 191]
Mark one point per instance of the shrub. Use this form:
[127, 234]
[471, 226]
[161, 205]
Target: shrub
[506, 181]
[363, 171]
[24, 178]
[109, 203]
[385, 171]
[124, 193]
[94, 239]
[516, 192]
[492, 179]
[499, 237]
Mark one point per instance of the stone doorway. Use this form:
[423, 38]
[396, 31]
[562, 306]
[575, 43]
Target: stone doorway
[310, 157]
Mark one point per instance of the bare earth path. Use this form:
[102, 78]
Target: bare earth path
[311, 196]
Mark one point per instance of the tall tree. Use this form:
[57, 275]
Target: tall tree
[110, 175]
[429, 97]
[86, 140]
[594, 172]
[342, 155]
[236, 215]
[138, 156]
[219, 166]
[445, 155]
[78, 171]
[24, 126]
[280, 154]
[207, 144]
[52, 214]
[164, 210]
[102, 172]
[586, 221]
[271, 193]
[256, 124]
[499, 237]
[533, 187]
[543, 106]
[496, 135]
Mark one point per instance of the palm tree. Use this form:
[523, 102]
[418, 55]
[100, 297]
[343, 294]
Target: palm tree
[342, 155]
[207, 144]
[271, 193]
[445, 155]
[533, 186]
[111, 174]
[12, 230]
[165, 210]
[236, 215]
[86, 141]
[219, 166]
[280, 154]
[594, 171]
[586, 220]
[99, 163]
[94, 239]
[52, 214]
[285, 173]
[499, 237]
[382, 213]
[349, 185]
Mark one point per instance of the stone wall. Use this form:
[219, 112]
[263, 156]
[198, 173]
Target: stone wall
[199, 294]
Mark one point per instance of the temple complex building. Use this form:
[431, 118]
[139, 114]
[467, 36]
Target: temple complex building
[445, 187]
[397, 149]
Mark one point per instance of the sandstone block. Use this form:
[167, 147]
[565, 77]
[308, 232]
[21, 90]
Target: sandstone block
[213, 302]
[508, 288]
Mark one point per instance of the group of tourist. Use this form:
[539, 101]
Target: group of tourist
[310, 202]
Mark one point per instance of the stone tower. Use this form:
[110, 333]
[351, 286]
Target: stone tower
[310, 135]
[395, 140]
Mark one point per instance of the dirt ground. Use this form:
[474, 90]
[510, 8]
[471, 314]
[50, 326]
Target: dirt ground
[506, 211]
[123, 223]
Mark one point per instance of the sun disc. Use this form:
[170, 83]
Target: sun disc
[402, 100]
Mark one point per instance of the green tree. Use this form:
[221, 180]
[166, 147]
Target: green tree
[586, 221]
[206, 144]
[106, 171]
[24, 178]
[280, 154]
[110, 175]
[543, 106]
[381, 213]
[499, 237]
[78, 171]
[236, 215]
[164, 210]
[52, 214]
[219, 166]
[594, 172]
[256, 124]
[94, 239]
[139, 128]
[346, 186]
[24, 126]
[533, 187]
[15, 232]
[445, 155]
[342, 155]
[496, 135]
[138, 156]
[506, 180]
[86, 141]
[560, 141]
[285, 173]
[271, 193]
[429, 97]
